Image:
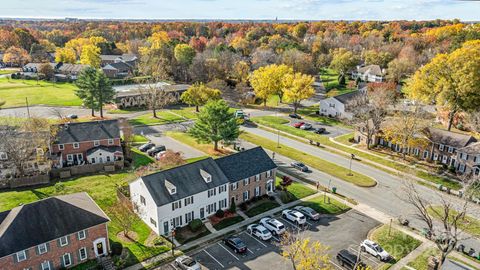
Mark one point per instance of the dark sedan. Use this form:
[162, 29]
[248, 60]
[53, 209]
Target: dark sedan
[294, 115]
[236, 244]
[146, 147]
[300, 166]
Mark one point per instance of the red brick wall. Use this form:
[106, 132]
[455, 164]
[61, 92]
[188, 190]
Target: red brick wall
[55, 252]
[238, 193]
[84, 146]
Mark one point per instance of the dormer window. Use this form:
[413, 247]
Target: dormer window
[96, 143]
[76, 145]
[170, 187]
[206, 176]
[3, 156]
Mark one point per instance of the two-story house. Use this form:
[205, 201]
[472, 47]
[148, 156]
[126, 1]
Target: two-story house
[370, 73]
[339, 106]
[468, 159]
[53, 233]
[251, 173]
[174, 197]
[86, 143]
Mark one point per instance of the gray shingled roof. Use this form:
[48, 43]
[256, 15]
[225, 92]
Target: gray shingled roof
[87, 131]
[347, 97]
[111, 149]
[46, 220]
[446, 137]
[471, 149]
[371, 69]
[245, 164]
[187, 180]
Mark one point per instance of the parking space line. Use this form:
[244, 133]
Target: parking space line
[214, 258]
[276, 239]
[338, 266]
[365, 255]
[256, 239]
[229, 252]
[250, 251]
[173, 265]
[291, 223]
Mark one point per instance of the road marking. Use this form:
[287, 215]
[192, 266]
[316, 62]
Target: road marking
[276, 239]
[173, 265]
[214, 258]
[335, 264]
[229, 252]
[256, 239]
[250, 251]
[291, 223]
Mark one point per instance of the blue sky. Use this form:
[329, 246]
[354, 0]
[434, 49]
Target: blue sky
[244, 9]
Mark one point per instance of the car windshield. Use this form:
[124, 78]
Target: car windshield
[281, 227]
[264, 231]
[189, 262]
[300, 164]
[237, 242]
[378, 248]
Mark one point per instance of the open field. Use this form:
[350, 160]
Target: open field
[14, 93]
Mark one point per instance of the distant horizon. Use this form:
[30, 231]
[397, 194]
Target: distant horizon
[246, 10]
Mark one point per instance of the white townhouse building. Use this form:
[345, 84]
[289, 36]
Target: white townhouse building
[174, 197]
[339, 106]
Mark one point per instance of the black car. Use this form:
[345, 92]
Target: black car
[349, 260]
[299, 166]
[294, 115]
[146, 147]
[236, 244]
[155, 150]
[319, 130]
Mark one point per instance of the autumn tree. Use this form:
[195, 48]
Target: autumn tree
[199, 94]
[450, 80]
[267, 81]
[184, 54]
[299, 30]
[156, 97]
[298, 60]
[373, 57]
[303, 253]
[47, 70]
[122, 212]
[399, 68]
[90, 56]
[171, 159]
[16, 56]
[343, 60]
[215, 123]
[297, 87]
[65, 55]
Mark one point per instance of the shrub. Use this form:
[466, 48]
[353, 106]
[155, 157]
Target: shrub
[351, 140]
[220, 213]
[117, 248]
[243, 206]
[233, 207]
[158, 241]
[195, 225]
[59, 187]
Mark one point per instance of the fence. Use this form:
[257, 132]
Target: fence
[86, 169]
[25, 181]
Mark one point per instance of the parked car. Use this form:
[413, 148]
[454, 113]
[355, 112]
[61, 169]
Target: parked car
[294, 216]
[159, 155]
[146, 147]
[187, 263]
[72, 116]
[294, 115]
[155, 150]
[259, 231]
[300, 166]
[236, 244]
[349, 260]
[308, 212]
[298, 124]
[273, 225]
[375, 250]
[306, 126]
[319, 130]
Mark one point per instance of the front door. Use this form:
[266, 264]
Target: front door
[166, 229]
[444, 159]
[202, 213]
[270, 186]
[99, 247]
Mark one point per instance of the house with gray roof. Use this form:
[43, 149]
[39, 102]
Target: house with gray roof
[340, 106]
[369, 73]
[53, 233]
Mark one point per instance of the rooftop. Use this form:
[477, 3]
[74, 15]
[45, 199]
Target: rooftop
[87, 131]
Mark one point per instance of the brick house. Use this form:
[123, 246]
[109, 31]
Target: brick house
[53, 233]
[251, 173]
[86, 143]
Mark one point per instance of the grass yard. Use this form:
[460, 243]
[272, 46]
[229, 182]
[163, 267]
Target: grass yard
[295, 191]
[280, 124]
[260, 207]
[331, 206]
[315, 162]
[102, 188]
[163, 117]
[330, 82]
[397, 244]
[185, 112]
[140, 158]
[189, 140]
[7, 71]
[139, 139]
[469, 224]
[227, 222]
[309, 113]
[421, 262]
[125, 111]
[14, 93]
[345, 139]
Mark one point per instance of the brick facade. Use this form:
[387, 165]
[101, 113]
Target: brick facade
[55, 252]
[237, 194]
[68, 148]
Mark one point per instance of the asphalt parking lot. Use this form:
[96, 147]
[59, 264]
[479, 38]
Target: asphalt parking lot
[330, 131]
[344, 231]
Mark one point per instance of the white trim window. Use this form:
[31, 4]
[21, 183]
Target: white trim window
[61, 147]
[234, 186]
[269, 173]
[110, 141]
[69, 157]
[67, 259]
[222, 189]
[441, 147]
[83, 253]
[425, 154]
[76, 145]
[96, 143]
[257, 177]
[82, 235]
[450, 149]
[45, 265]
[246, 181]
[63, 241]
[21, 256]
[246, 195]
[42, 248]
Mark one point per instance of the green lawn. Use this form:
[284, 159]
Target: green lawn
[260, 207]
[310, 113]
[330, 82]
[421, 261]
[14, 93]
[295, 191]
[189, 140]
[323, 205]
[397, 244]
[186, 112]
[280, 124]
[315, 162]
[469, 224]
[345, 139]
[163, 117]
[227, 222]
[7, 71]
[139, 139]
[125, 111]
[140, 158]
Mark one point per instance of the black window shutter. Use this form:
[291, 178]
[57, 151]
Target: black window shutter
[68, 240]
[58, 242]
[86, 233]
[26, 254]
[36, 250]
[15, 260]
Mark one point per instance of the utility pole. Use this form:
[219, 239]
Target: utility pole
[278, 130]
[28, 109]
[351, 159]
[173, 244]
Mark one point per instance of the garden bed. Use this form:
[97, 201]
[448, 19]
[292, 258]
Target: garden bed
[227, 220]
[186, 234]
[254, 208]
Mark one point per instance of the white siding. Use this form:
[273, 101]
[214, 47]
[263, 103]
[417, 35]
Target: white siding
[137, 189]
[332, 107]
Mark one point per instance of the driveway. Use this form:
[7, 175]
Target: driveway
[330, 131]
[44, 112]
[344, 231]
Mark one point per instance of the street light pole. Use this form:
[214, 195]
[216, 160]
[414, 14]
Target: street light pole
[350, 168]
[278, 132]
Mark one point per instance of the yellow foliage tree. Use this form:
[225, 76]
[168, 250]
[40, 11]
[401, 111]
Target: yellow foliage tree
[303, 253]
[65, 55]
[268, 80]
[90, 56]
[199, 94]
[297, 87]
[452, 80]
[158, 39]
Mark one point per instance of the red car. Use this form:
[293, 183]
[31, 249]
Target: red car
[299, 124]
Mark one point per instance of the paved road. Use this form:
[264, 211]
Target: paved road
[330, 131]
[384, 197]
[44, 111]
